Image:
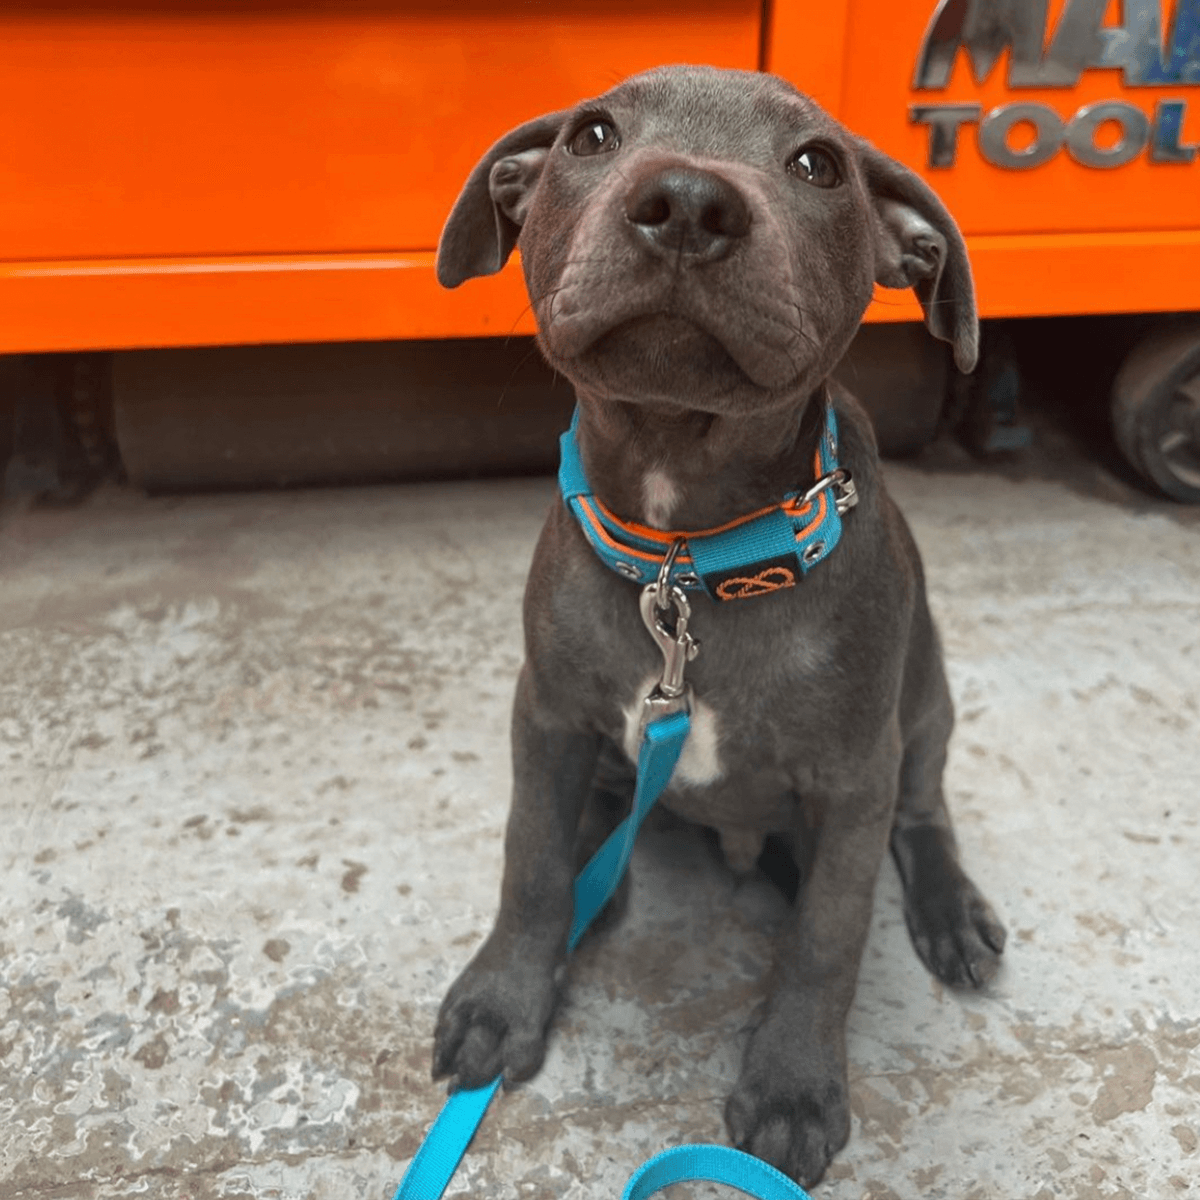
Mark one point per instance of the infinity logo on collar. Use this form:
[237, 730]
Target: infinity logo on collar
[773, 579]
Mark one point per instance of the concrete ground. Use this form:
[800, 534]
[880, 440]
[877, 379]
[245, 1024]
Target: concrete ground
[255, 777]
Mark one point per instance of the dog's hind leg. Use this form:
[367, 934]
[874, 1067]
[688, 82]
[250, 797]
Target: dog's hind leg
[953, 928]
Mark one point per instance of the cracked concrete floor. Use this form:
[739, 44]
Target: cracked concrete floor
[255, 776]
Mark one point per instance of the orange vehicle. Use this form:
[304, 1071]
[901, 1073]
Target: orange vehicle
[232, 174]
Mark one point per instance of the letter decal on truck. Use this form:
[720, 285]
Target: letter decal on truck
[983, 29]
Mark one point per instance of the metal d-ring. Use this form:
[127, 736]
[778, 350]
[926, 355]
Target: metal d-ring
[845, 494]
[663, 588]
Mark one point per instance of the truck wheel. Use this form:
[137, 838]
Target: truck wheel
[1156, 409]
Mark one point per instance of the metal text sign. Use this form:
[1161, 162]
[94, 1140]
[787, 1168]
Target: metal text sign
[1147, 54]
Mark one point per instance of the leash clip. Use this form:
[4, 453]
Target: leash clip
[670, 694]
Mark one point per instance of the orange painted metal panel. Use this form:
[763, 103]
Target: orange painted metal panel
[808, 47]
[56, 306]
[174, 141]
[1057, 238]
[1054, 274]
[881, 50]
[235, 173]
[290, 129]
[227, 301]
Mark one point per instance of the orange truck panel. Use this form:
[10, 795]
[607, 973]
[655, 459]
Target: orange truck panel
[234, 173]
[274, 172]
[1056, 238]
[278, 129]
[882, 49]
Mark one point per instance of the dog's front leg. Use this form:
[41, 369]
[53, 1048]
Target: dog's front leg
[791, 1104]
[495, 1017]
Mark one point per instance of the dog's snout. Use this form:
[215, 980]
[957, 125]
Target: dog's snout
[688, 212]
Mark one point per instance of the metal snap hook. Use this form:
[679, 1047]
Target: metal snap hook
[670, 694]
[678, 647]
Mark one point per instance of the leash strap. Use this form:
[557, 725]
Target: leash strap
[760, 553]
[596, 883]
[716, 1164]
[438, 1156]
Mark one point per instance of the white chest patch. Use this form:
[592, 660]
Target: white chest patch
[661, 497]
[700, 762]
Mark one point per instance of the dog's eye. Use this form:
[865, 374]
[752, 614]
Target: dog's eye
[594, 136]
[815, 166]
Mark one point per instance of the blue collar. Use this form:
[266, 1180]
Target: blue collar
[762, 552]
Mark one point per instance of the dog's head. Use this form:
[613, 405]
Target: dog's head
[706, 237]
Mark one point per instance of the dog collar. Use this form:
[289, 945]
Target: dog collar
[762, 552]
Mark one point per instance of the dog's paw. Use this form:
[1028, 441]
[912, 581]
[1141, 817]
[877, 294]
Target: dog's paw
[794, 1117]
[954, 930]
[494, 1022]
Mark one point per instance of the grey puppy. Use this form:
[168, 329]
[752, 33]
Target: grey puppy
[700, 246]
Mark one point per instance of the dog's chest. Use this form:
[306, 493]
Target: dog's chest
[753, 739]
[700, 760]
[660, 497]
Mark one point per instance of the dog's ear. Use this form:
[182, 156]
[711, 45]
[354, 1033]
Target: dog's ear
[486, 219]
[918, 245]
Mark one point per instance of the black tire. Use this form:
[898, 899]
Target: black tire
[1156, 409]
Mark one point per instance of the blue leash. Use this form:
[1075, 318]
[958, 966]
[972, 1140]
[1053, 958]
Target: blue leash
[716, 1164]
[439, 1154]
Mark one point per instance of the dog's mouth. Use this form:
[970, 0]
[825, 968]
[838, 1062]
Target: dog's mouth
[667, 341]
[668, 355]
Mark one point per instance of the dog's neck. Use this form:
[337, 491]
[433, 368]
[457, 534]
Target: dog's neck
[688, 470]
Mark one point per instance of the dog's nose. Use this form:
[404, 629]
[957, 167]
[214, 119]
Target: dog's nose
[687, 212]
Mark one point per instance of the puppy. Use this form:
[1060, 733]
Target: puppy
[700, 246]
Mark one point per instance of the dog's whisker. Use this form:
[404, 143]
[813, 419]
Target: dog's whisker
[530, 352]
[512, 329]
